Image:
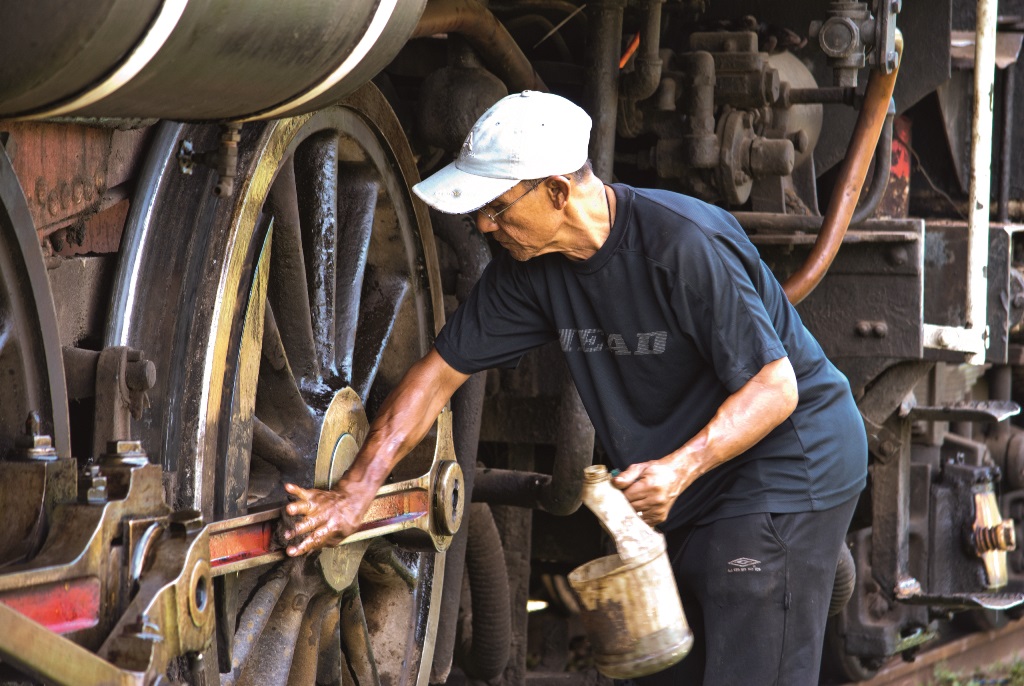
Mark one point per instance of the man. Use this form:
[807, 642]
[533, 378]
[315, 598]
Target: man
[735, 433]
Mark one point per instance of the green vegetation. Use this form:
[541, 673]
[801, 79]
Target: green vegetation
[996, 675]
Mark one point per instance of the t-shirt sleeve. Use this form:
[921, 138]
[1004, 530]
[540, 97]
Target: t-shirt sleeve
[500, 321]
[717, 301]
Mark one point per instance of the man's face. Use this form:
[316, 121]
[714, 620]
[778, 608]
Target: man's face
[521, 221]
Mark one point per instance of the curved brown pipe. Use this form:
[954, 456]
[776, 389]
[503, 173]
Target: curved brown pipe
[848, 188]
[484, 32]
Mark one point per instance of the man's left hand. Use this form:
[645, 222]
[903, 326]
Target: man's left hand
[652, 489]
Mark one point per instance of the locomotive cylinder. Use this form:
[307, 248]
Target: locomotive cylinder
[194, 59]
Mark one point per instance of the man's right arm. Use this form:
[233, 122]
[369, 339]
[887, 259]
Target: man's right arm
[405, 418]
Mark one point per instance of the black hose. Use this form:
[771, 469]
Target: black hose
[883, 165]
[485, 651]
[846, 578]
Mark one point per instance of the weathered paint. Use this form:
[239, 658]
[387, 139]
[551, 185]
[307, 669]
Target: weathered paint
[61, 607]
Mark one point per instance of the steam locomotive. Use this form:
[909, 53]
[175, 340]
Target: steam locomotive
[212, 271]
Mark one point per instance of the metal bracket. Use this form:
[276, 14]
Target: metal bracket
[223, 160]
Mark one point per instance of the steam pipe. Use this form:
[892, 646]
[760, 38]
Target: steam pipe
[510, 487]
[560, 492]
[485, 33]
[851, 180]
[602, 82]
[883, 165]
[1009, 75]
[643, 81]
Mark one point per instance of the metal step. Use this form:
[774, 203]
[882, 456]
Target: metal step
[989, 411]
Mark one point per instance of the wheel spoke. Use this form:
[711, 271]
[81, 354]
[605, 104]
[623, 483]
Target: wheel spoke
[332, 660]
[275, 449]
[278, 400]
[305, 661]
[287, 289]
[356, 212]
[355, 639]
[316, 175]
[383, 295]
[254, 620]
[270, 663]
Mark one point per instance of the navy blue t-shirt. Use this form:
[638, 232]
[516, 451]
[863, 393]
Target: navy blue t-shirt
[675, 312]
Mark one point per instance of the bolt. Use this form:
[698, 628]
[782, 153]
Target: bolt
[907, 587]
[125, 453]
[890, 62]
[800, 140]
[838, 37]
[888, 448]
[140, 375]
[92, 486]
[34, 444]
[186, 158]
[898, 256]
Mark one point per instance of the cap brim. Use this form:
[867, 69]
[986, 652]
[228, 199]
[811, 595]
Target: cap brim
[453, 191]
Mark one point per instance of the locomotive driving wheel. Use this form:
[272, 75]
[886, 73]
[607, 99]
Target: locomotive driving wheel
[273, 315]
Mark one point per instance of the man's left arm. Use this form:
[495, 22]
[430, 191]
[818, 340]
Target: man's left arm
[746, 417]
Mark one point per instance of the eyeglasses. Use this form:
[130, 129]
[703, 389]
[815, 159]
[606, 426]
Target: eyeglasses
[494, 217]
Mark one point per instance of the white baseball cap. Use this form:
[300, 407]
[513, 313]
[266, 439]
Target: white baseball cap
[528, 135]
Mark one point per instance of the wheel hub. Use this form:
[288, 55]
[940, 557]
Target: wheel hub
[342, 433]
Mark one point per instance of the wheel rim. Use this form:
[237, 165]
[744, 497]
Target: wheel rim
[31, 367]
[324, 284]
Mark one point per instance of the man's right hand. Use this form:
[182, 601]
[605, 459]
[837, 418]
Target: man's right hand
[408, 413]
[328, 517]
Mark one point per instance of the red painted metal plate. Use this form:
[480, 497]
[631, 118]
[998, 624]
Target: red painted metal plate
[61, 607]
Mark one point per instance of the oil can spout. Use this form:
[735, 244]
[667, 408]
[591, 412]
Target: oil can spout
[633, 538]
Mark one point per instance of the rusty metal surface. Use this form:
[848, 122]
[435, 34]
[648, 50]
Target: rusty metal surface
[882, 262]
[76, 194]
[977, 651]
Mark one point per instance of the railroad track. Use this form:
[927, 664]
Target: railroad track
[960, 655]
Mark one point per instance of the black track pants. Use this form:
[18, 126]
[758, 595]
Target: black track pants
[755, 591]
